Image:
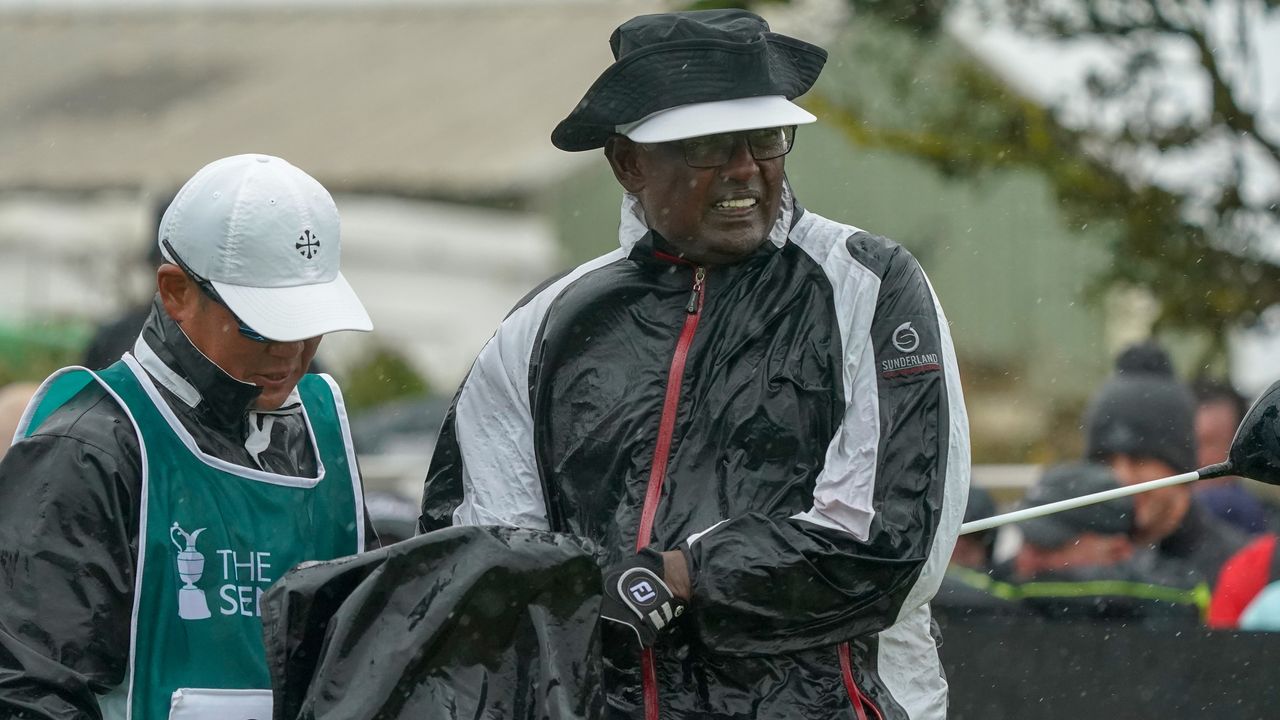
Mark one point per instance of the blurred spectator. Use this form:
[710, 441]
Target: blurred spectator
[1091, 536]
[1263, 614]
[1219, 410]
[974, 551]
[968, 589]
[13, 400]
[116, 337]
[1141, 425]
[1082, 563]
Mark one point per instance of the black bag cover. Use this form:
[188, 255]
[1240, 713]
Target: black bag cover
[465, 622]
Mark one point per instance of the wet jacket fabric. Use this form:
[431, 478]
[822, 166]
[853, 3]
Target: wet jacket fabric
[69, 519]
[795, 419]
[464, 622]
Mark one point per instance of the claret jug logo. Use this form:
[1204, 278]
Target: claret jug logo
[192, 604]
[308, 245]
[246, 574]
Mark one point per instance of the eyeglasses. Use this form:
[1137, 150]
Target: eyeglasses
[711, 151]
[209, 290]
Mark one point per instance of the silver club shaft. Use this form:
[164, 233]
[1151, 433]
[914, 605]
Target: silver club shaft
[1072, 503]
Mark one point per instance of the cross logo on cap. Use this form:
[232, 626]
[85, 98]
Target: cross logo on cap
[308, 246]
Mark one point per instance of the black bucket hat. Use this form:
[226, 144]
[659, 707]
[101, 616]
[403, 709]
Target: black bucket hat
[673, 59]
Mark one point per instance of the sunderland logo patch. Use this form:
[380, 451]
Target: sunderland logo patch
[909, 365]
[910, 348]
[905, 338]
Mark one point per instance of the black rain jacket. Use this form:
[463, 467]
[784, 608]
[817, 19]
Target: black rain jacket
[794, 418]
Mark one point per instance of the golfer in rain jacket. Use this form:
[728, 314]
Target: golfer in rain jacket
[754, 411]
[146, 507]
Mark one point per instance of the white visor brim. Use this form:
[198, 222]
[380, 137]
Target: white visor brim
[710, 118]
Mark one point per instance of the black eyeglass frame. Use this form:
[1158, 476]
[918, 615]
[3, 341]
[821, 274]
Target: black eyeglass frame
[788, 131]
[208, 289]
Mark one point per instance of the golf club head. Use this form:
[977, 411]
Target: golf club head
[1255, 451]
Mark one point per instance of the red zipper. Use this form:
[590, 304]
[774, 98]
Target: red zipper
[856, 697]
[661, 453]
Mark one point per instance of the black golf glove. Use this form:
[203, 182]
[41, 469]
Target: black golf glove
[636, 596]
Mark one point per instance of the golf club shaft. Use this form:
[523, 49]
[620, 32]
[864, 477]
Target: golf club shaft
[1071, 503]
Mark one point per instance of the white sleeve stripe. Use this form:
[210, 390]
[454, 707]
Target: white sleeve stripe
[956, 493]
[494, 422]
[844, 491]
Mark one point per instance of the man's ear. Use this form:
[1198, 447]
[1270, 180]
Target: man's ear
[178, 293]
[624, 157]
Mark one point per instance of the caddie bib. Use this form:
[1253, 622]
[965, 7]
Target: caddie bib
[212, 538]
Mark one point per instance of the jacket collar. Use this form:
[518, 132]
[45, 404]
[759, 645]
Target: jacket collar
[634, 227]
[218, 400]
[1190, 533]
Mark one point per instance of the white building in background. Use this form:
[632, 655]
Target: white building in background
[430, 122]
[436, 277]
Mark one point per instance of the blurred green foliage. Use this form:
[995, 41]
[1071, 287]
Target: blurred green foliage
[1204, 266]
[383, 377]
[33, 352]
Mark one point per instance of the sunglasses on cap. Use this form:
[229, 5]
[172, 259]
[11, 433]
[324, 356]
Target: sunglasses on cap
[712, 151]
[208, 289]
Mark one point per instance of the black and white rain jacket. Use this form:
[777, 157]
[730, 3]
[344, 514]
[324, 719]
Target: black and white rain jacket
[796, 418]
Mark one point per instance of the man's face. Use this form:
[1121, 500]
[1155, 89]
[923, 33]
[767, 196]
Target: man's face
[276, 367]
[1215, 428]
[1157, 513]
[1086, 550]
[712, 215]
[970, 552]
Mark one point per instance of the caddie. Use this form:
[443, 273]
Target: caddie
[754, 411]
[146, 507]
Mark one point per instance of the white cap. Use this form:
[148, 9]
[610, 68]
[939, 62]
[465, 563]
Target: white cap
[267, 236]
[721, 116]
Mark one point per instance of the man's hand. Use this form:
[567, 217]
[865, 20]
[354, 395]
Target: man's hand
[675, 571]
[636, 595]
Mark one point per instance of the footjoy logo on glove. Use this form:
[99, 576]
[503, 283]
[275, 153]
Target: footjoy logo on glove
[642, 592]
